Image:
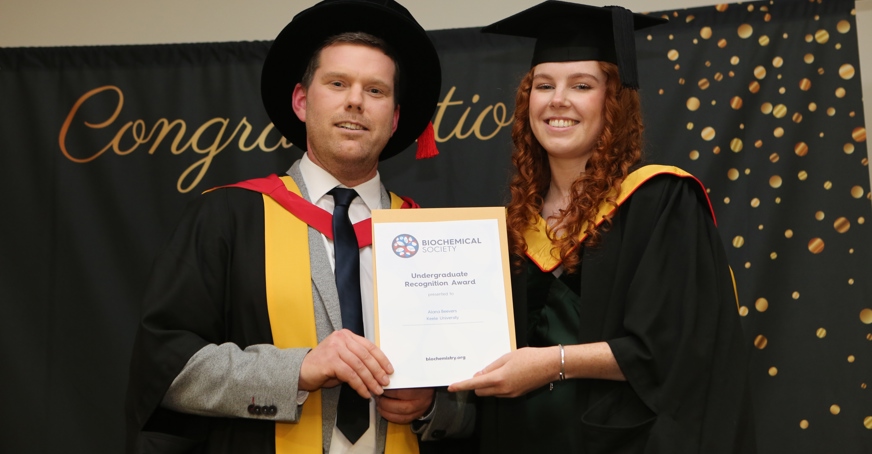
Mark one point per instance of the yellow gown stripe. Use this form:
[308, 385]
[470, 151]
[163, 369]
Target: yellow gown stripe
[539, 247]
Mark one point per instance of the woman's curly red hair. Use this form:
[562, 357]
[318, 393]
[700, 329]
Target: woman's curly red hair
[617, 151]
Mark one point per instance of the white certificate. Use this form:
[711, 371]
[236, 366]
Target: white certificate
[443, 304]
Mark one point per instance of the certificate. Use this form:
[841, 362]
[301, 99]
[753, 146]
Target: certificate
[443, 302]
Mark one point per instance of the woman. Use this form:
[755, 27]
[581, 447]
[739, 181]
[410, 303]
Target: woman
[628, 334]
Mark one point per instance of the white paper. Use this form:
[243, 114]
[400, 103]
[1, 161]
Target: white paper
[441, 295]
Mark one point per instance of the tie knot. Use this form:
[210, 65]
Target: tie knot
[342, 196]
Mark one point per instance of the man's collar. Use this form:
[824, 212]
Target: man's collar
[319, 182]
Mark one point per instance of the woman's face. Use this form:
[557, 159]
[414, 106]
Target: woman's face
[566, 108]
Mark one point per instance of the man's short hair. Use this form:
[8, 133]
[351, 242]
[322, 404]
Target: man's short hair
[360, 38]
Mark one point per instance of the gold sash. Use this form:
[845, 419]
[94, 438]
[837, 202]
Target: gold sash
[292, 320]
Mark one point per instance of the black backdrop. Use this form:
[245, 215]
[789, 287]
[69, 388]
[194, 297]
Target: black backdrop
[101, 148]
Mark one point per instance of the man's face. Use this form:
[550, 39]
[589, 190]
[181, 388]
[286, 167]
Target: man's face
[349, 110]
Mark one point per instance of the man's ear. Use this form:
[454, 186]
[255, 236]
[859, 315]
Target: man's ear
[396, 119]
[299, 103]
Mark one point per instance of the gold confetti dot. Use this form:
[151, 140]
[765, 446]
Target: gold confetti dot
[848, 148]
[816, 246]
[857, 192]
[763, 40]
[840, 92]
[828, 185]
[754, 87]
[766, 108]
[692, 103]
[819, 215]
[716, 150]
[831, 111]
[738, 242]
[838, 46]
[861, 220]
[821, 71]
[760, 72]
[775, 181]
[859, 134]
[694, 155]
[672, 55]
[812, 107]
[747, 171]
[773, 255]
[867, 421]
[677, 67]
[761, 304]
[809, 38]
[851, 281]
[821, 333]
[834, 409]
[721, 7]
[689, 126]
[801, 149]
[797, 117]
[788, 233]
[689, 19]
[726, 200]
[705, 32]
[809, 58]
[755, 202]
[773, 158]
[703, 83]
[821, 36]
[733, 174]
[842, 225]
[743, 311]
[778, 200]
[781, 90]
[745, 31]
[803, 424]
[851, 358]
[795, 295]
[736, 103]
[722, 43]
[759, 144]
[866, 316]
[804, 84]
[777, 62]
[843, 26]
[802, 175]
[846, 71]
[708, 133]
[778, 132]
[779, 111]
[760, 227]
[760, 341]
[736, 145]
[773, 371]
[718, 77]
[734, 60]
[747, 265]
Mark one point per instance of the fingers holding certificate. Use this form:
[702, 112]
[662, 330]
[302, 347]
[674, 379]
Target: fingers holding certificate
[442, 292]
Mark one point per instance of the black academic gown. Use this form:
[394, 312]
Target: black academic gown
[207, 286]
[658, 289]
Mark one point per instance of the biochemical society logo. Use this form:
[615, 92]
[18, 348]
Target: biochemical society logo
[406, 246]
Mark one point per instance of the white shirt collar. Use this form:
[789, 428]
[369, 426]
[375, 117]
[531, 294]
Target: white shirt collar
[319, 182]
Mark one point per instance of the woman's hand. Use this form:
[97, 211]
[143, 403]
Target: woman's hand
[514, 374]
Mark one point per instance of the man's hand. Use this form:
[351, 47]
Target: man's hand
[344, 357]
[403, 406]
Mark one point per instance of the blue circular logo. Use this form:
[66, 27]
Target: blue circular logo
[405, 246]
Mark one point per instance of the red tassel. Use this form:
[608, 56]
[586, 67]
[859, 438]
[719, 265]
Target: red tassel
[427, 143]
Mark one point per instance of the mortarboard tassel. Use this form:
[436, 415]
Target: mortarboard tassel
[625, 45]
[427, 143]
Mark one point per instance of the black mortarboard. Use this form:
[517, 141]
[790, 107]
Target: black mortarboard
[573, 32]
[420, 72]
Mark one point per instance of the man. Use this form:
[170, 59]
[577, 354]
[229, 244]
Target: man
[241, 346]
